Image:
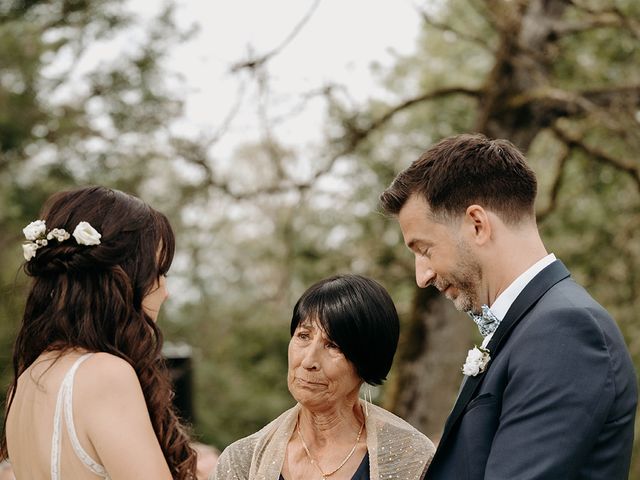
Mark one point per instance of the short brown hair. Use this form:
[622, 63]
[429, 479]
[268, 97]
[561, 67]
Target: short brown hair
[464, 170]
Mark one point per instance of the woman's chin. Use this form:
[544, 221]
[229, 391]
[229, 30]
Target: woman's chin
[309, 399]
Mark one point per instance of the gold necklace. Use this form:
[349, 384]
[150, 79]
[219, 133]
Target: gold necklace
[315, 464]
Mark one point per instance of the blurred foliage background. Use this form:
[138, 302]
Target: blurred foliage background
[560, 78]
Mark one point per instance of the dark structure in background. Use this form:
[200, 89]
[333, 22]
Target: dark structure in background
[178, 358]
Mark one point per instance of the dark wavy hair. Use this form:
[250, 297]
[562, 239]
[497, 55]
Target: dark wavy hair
[91, 297]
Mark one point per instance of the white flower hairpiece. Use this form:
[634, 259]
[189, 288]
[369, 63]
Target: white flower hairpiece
[84, 234]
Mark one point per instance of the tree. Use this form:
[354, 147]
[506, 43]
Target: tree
[558, 78]
[66, 120]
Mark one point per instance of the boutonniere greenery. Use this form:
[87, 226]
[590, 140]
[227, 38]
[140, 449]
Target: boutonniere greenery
[477, 360]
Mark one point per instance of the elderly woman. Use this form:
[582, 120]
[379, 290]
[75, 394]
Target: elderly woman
[344, 332]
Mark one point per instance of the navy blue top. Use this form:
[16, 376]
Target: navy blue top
[362, 473]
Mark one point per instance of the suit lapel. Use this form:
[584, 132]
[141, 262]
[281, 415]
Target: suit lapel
[522, 304]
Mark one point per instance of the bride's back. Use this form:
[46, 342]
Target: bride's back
[30, 422]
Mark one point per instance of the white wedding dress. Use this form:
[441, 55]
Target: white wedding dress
[64, 409]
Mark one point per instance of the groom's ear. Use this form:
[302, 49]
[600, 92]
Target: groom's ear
[476, 225]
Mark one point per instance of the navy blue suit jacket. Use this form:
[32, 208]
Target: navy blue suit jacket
[557, 401]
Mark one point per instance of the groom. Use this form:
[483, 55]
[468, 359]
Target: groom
[551, 393]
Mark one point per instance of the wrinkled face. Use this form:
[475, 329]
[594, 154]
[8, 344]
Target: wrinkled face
[152, 302]
[319, 376]
[442, 256]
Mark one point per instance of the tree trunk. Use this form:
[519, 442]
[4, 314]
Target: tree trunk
[521, 67]
[427, 376]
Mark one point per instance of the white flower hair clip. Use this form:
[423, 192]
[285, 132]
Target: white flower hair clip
[84, 234]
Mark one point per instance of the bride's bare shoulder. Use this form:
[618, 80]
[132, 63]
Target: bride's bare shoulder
[108, 363]
[106, 374]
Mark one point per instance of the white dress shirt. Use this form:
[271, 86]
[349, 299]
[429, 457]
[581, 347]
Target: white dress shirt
[502, 304]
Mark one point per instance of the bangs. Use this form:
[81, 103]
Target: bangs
[314, 309]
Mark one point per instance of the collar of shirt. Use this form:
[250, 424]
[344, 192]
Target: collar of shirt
[502, 304]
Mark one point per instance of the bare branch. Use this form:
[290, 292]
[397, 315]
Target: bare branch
[273, 152]
[305, 98]
[605, 18]
[357, 135]
[557, 185]
[573, 141]
[255, 62]
[448, 28]
[443, 92]
[563, 29]
[606, 96]
[585, 101]
[347, 144]
[570, 102]
[231, 114]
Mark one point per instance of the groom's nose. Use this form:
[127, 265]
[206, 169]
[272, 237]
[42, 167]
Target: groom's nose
[424, 273]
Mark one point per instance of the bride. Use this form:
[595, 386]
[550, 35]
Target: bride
[91, 397]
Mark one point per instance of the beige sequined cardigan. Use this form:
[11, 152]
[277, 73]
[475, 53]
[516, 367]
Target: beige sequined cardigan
[396, 449]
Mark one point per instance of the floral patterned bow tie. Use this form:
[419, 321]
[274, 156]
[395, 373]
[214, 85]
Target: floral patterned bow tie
[487, 322]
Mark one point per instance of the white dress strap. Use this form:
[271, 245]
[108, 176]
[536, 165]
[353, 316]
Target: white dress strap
[64, 403]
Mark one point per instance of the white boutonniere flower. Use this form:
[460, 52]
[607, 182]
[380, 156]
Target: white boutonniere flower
[477, 360]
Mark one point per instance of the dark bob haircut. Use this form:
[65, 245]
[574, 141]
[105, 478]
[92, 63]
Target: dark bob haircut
[358, 315]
